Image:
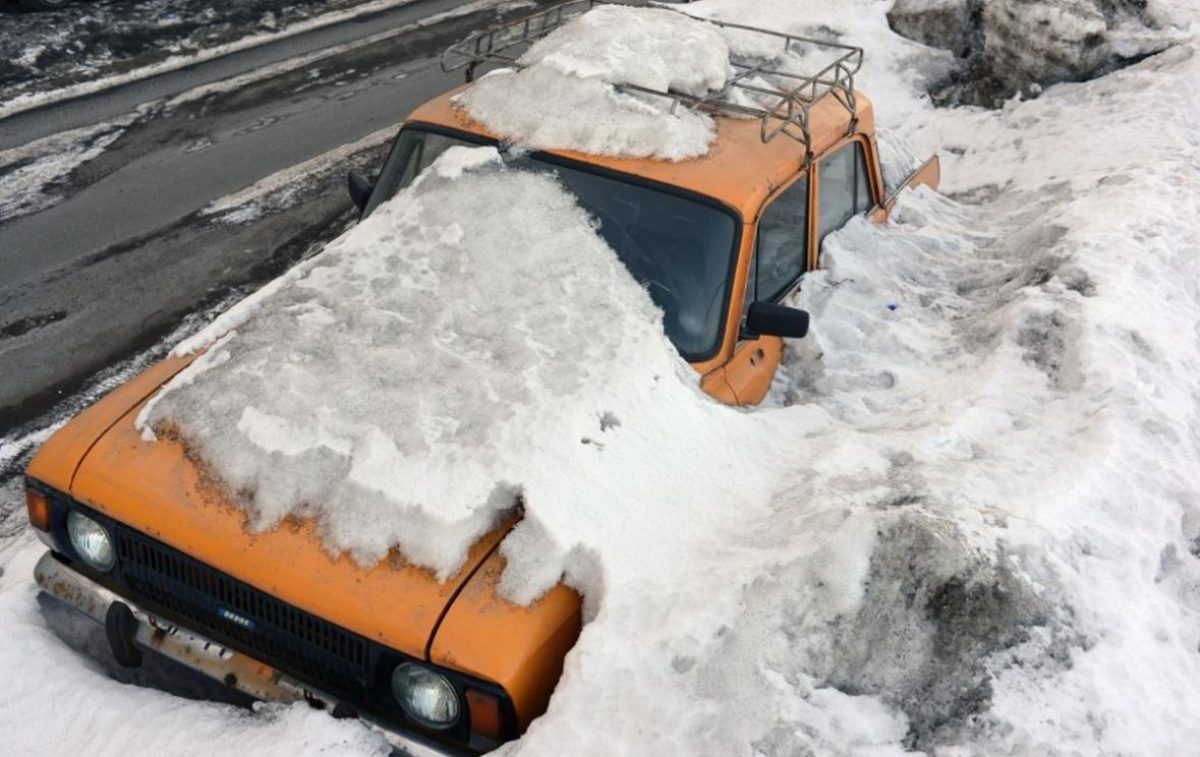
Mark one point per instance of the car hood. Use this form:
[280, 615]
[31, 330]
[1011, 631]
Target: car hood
[101, 459]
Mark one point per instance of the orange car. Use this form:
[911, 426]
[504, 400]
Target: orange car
[140, 541]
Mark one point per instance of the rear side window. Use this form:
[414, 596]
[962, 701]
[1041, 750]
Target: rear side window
[781, 252]
[845, 188]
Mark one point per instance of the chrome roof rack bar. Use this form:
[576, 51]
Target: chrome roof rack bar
[760, 88]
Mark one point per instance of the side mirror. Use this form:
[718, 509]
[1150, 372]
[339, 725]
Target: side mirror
[360, 190]
[767, 319]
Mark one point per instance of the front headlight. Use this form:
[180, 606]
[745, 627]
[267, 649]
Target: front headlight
[426, 696]
[91, 541]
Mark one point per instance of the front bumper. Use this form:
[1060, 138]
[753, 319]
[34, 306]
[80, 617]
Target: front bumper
[234, 669]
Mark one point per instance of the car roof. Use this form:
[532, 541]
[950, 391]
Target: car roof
[739, 170]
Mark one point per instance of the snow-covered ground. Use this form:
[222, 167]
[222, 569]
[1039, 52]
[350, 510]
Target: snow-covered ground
[967, 520]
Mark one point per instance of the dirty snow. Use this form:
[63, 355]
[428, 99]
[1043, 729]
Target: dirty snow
[566, 93]
[88, 47]
[1010, 47]
[965, 522]
[31, 174]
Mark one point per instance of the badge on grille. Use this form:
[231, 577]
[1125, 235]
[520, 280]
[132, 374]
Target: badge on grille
[235, 618]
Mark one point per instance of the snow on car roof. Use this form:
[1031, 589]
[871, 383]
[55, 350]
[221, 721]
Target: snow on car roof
[565, 100]
[616, 80]
[739, 169]
[565, 96]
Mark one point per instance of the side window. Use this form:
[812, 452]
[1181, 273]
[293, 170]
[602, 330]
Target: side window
[781, 252]
[411, 154]
[845, 188]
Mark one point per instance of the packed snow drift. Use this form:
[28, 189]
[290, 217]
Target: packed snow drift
[967, 520]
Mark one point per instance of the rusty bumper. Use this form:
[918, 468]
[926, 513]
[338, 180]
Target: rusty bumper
[234, 669]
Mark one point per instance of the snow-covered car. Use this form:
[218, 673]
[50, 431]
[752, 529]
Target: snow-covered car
[143, 539]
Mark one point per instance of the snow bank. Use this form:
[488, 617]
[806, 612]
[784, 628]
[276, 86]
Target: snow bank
[948, 24]
[567, 94]
[1012, 47]
[990, 548]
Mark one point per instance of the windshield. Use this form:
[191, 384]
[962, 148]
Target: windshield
[679, 247]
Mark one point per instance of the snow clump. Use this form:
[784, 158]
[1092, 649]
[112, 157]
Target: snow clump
[567, 93]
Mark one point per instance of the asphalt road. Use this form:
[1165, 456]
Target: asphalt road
[127, 253]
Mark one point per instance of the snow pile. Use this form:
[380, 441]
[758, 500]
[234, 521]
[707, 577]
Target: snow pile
[1020, 46]
[948, 24]
[567, 93]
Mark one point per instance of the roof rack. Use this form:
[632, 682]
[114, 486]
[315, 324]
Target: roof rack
[782, 98]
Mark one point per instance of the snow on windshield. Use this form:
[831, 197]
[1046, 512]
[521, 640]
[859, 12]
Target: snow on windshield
[566, 96]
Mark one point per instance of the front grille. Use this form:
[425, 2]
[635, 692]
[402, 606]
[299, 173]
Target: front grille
[230, 611]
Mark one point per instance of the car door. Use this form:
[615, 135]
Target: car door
[779, 261]
[844, 191]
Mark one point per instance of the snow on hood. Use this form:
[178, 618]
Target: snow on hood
[473, 341]
[566, 95]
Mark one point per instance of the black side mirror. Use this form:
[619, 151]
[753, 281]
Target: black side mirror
[360, 190]
[767, 319]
